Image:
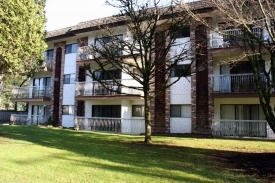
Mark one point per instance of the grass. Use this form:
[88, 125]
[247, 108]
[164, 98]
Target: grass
[36, 154]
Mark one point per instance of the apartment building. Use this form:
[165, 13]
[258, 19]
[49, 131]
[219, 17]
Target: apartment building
[215, 99]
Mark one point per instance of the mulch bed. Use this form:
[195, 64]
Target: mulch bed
[258, 165]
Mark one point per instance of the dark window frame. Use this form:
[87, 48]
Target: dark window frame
[179, 112]
[106, 111]
[68, 79]
[135, 113]
[66, 110]
[71, 48]
[181, 70]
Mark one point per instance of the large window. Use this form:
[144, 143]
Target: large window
[107, 75]
[69, 78]
[68, 110]
[181, 70]
[38, 110]
[180, 111]
[242, 112]
[71, 48]
[109, 111]
[42, 81]
[105, 41]
[138, 110]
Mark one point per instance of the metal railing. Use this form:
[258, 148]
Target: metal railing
[235, 83]
[18, 119]
[87, 53]
[98, 124]
[31, 92]
[233, 37]
[112, 88]
[84, 53]
[241, 128]
[116, 125]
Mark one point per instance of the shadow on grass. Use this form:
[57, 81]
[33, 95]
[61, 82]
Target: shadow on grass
[129, 154]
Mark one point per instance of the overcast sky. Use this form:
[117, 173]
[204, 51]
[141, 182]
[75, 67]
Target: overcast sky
[65, 13]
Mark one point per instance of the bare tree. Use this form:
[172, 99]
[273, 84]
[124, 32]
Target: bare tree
[255, 36]
[153, 32]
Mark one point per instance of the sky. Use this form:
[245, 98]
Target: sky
[66, 13]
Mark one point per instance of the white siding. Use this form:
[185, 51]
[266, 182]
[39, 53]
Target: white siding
[68, 94]
[180, 92]
[70, 63]
[68, 121]
[180, 125]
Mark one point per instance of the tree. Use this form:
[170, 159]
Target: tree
[256, 38]
[153, 33]
[6, 93]
[22, 24]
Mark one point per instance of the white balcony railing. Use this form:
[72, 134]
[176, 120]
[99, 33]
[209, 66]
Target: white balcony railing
[84, 53]
[233, 37]
[112, 88]
[235, 83]
[87, 53]
[241, 128]
[19, 119]
[116, 125]
[32, 92]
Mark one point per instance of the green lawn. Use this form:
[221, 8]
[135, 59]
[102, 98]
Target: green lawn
[36, 154]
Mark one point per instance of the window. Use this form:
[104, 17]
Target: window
[138, 110]
[107, 75]
[181, 33]
[69, 78]
[42, 82]
[242, 112]
[41, 110]
[108, 39]
[109, 111]
[71, 48]
[180, 111]
[68, 110]
[49, 55]
[181, 70]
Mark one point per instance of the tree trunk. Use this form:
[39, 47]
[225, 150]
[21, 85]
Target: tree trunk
[148, 121]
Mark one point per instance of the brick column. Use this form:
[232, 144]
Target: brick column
[202, 103]
[161, 104]
[57, 82]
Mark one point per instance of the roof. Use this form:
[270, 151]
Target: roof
[111, 20]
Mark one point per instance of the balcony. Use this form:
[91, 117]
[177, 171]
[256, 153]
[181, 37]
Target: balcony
[113, 125]
[232, 37]
[86, 90]
[241, 128]
[84, 53]
[18, 119]
[235, 84]
[28, 94]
